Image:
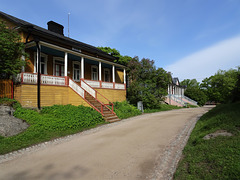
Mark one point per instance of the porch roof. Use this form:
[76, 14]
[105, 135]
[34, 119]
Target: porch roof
[47, 34]
[58, 51]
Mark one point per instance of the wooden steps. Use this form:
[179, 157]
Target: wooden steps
[107, 113]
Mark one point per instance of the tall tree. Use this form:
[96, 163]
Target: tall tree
[147, 83]
[219, 87]
[11, 52]
[124, 60]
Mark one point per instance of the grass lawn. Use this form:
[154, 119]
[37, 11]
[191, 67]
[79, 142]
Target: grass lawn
[217, 158]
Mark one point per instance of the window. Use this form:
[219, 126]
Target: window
[58, 66]
[94, 73]
[76, 71]
[43, 64]
[107, 75]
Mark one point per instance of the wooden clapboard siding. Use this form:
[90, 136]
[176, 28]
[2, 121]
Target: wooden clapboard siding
[75, 99]
[112, 95]
[29, 61]
[17, 92]
[6, 88]
[50, 95]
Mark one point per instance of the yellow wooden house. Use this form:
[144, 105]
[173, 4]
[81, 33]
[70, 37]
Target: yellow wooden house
[69, 71]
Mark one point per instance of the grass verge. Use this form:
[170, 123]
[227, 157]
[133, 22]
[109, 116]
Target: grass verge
[217, 158]
[52, 122]
[164, 107]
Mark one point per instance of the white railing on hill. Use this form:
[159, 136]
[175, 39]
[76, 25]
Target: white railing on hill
[190, 100]
[176, 99]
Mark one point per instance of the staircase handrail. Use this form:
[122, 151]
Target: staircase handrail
[80, 94]
[96, 92]
[195, 102]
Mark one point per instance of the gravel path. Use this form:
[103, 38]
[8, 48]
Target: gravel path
[143, 147]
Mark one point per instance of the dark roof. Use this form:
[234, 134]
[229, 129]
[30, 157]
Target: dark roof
[175, 81]
[55, 36]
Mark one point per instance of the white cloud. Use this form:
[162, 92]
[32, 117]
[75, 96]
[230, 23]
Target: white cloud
[223, 55]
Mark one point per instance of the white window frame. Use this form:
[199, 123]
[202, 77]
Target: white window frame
[106, 70]
[45, 62]
[78, 63]
[94, 66]
[54, 64]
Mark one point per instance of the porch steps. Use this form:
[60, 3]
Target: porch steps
[107, 114]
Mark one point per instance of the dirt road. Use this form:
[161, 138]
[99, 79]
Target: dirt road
[143, 147]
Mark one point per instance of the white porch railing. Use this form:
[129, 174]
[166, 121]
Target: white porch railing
[30, 78]
[107, 85]
[94, 84]
[50, 80]
[119, 86]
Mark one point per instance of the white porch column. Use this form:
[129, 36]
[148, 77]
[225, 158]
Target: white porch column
[124, 76]
[100, 71]
[65, 64]
[82, 68]
[23, 59]
[113, 73]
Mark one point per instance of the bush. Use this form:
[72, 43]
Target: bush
[125, 110]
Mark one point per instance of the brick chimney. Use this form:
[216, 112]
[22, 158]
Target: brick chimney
[55, 27]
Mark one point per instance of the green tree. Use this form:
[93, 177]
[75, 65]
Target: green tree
[147, 83]
[124, 60]
[236, 91]
[219, 88]
[11, 52]
[190, 83]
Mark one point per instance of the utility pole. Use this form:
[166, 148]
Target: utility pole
[68, 23]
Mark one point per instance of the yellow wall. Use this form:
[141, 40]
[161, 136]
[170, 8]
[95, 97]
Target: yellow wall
[50, 95]
[112, 94]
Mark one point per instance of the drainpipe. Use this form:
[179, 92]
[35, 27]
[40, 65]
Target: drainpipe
[38, 75]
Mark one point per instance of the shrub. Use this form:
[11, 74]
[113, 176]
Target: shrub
[125, 110]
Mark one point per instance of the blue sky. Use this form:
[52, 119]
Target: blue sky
[190, 38]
